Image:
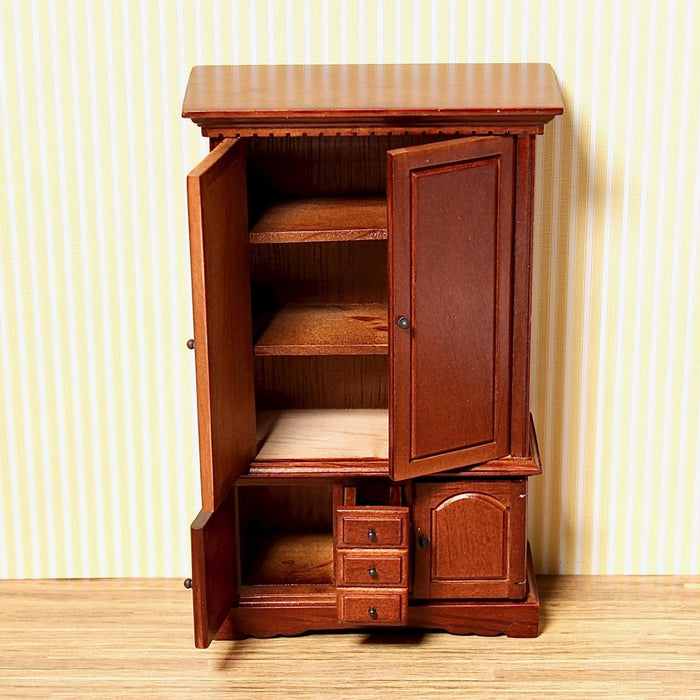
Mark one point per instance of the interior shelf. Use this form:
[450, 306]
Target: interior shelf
[317, 434]
[326, 329]
[309, 219]
[295, 558]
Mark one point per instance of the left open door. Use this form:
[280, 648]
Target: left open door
[223, 335]
[220, 262]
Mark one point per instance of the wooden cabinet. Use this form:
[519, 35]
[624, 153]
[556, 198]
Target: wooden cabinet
[361, 252]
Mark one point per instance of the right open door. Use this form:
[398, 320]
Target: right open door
[450, 267]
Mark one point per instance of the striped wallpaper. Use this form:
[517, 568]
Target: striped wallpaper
[98, 442]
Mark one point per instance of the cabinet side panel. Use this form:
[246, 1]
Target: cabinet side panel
[522, 294]
[222, 318]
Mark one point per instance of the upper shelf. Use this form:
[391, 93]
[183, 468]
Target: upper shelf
[310, 219]
[378, 98]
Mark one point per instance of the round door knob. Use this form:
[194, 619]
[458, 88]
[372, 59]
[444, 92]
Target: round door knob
[373, 572]
[373, 613]
[423, 541]
[187, 583]
[190, 344]
[403, 323]
[371, 535]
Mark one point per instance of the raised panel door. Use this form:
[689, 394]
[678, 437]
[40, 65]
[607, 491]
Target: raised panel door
[220, 259]
[450, 243]
[470, 539]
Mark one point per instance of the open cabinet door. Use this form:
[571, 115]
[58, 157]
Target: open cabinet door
[450, 267]
[216, 195]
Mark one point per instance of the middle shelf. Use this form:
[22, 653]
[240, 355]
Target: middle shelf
[325, 329]
[324, 218]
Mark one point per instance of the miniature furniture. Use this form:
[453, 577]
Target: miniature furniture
[361, 243]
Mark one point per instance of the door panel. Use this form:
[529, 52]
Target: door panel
[475, 546]
[214, 576]
[216, 191]
[450, 228]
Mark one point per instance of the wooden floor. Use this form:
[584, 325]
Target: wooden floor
[601, 638]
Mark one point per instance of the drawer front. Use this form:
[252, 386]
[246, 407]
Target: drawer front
[368, 568]
[370, 607]
[372, 527]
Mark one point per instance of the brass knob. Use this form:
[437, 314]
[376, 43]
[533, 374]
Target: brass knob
[371, 535]
[423, 541]
[373, 572]
[373, 613]
[403, 323]
[190, 344]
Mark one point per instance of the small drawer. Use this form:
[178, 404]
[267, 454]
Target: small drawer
[357, 567]
[366, 606]
[372, 527]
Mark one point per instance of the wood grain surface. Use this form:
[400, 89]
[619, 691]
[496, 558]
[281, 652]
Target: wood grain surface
[322, 219]
[257, 95]
[449, 272]
[322, 434]
[216, 195]
[601, 637]
[325, 329]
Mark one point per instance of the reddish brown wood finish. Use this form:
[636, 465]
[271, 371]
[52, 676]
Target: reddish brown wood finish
[372, 606]
[476, 532]
[325, 329]
[450, 275]
[358, 567]
[348, 218]
[283, 99]
[220, 263]
[319, 273]
[322, 381]
[214, 579]
[355, 525]
[289, 615]
[290, 221]
[522, 274]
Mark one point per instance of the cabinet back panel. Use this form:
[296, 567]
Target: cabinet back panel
[303, 165]
[321, 273]
[321, 382]
[303, 507]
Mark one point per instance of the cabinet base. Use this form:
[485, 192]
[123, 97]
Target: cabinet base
[292, 615]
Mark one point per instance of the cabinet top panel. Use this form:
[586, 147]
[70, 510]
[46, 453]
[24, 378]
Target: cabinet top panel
[286, 99]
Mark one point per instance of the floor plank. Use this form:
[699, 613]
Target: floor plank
[602, 637]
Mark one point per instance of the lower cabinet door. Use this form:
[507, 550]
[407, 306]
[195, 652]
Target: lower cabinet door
[470, 539]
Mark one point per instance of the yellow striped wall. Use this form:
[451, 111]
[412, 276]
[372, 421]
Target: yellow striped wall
[98, 445]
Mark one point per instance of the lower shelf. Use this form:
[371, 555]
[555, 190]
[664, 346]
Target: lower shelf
[323, 434]
[289, 559]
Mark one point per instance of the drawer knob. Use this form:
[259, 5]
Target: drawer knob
[373, 572]
[403, 323]
[373, 613]
[187, 583]
[371, 535]
[423, 541]
[190, 344]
